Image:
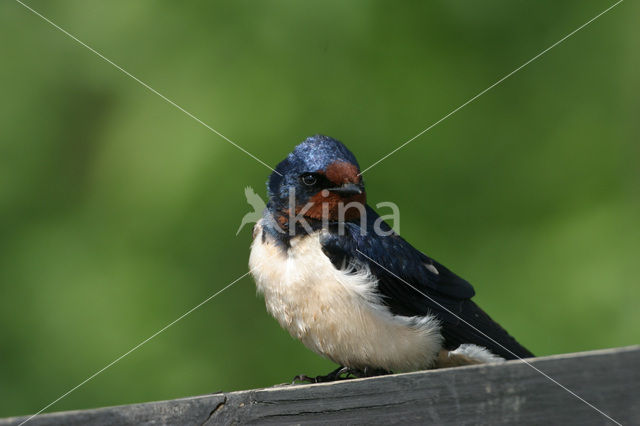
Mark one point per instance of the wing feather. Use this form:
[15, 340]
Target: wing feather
[413, 284]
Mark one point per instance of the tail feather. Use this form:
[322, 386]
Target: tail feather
[481, 330]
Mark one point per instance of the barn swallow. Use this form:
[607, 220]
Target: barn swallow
[362, 297]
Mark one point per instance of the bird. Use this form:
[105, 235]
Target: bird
[356, 294]
[258, 205]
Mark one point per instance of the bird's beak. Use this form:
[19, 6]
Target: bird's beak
[347, 189]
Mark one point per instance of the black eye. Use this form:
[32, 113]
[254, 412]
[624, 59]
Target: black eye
[308, 179]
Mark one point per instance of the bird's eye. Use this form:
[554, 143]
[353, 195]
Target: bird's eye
[308, 179]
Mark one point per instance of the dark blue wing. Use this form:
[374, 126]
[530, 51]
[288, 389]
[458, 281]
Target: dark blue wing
[396, 264]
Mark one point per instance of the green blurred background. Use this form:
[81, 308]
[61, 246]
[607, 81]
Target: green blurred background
[118, 212]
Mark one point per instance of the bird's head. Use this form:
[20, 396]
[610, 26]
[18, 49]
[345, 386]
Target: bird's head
[319, 176]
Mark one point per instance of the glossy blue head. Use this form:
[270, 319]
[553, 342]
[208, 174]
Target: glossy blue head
[319, 170]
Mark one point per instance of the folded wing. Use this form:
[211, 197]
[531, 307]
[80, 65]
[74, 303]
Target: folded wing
[412, 284]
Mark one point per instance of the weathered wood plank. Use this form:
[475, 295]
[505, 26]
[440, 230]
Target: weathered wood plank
[186, 411]
[510, 393]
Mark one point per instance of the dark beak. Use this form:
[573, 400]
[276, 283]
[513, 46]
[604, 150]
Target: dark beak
[347, 189]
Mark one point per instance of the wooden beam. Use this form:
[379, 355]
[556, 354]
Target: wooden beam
[511, 393]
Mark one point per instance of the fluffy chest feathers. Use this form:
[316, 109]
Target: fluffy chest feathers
[337, 313]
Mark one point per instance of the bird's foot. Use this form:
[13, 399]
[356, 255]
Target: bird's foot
[341, 373]
[334, 375]
[370, 372]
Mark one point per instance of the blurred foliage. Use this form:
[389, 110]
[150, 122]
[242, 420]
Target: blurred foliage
[118, 212]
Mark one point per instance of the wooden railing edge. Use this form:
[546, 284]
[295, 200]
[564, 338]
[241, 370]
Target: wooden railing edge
[605, 385]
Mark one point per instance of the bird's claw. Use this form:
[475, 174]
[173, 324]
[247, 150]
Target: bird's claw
[341, 373]
[334, 375]
[303, 378]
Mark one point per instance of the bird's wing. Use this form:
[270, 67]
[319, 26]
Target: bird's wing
[412, 284]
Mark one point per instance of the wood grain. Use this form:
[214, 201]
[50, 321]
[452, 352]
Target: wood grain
[509, 393]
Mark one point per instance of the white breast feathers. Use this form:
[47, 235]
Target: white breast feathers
[338, 313]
